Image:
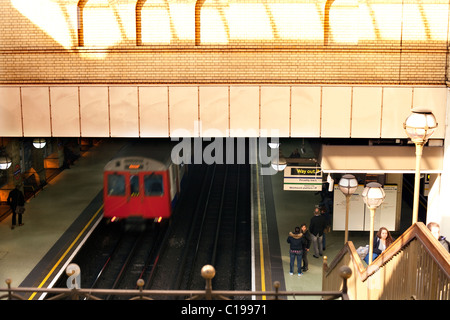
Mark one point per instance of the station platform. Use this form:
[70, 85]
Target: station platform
[282, 212]
[33, 254]
[276, 213]
[55, 224]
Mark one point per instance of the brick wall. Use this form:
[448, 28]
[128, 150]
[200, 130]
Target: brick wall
[232, 42]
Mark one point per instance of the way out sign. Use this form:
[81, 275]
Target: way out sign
[303, 178]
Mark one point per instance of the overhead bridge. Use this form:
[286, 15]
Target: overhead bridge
[324, 111]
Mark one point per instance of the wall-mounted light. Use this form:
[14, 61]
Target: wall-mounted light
[5, 161]
[279, 164]
[39, 143]
[330, 181]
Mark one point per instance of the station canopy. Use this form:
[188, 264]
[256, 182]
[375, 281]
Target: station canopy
[379, 159]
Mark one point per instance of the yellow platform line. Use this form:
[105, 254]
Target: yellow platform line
[66, 252]
[261, 247]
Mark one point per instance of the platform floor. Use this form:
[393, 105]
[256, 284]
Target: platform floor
[49, 217]
[292, 208]
[287, 209]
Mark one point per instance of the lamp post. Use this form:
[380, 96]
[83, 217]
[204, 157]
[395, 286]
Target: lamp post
[419, 126]
[373, 195]
[348, 185]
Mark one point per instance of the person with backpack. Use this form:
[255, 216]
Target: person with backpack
[296, 245]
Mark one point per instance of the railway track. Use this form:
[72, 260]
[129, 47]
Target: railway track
[210, 225]
[132, 258]
[207, 231]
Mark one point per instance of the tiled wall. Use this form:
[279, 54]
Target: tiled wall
[224, 42]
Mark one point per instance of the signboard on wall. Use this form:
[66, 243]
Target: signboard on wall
[302, 178]
[359, 215]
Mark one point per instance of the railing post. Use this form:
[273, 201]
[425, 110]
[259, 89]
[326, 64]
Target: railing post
[345, 273]
[140, 283]
[325, 264]
[208, 272]
[74, 295]
[8, 282]
[324, 271]
[276, 285]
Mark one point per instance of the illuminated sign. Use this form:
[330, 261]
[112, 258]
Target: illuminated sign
[303, 178]
[305, 171]
[134, 166]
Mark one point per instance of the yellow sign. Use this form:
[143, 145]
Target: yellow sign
[303, 178]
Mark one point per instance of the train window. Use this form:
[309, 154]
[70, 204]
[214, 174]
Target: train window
[134, 186]
[116, 185]
[153, 185]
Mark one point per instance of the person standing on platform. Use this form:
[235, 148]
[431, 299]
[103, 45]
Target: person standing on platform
[16, 201]
[328, 222]
[296, 244]
[435, 229]
[316, 228]
[307, 242]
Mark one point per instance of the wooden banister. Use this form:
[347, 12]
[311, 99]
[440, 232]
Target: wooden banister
[425, 247]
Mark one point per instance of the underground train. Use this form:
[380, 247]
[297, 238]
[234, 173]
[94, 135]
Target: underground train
[142, 182]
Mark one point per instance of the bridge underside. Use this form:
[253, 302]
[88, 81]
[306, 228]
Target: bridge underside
[215, 110]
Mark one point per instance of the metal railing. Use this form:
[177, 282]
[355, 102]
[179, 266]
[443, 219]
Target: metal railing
[207, 272]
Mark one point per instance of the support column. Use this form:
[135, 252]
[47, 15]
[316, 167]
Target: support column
[441, 213]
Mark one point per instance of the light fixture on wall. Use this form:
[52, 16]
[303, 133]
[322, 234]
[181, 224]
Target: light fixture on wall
[419, 127]
[373, 195]
[330, 181]
[273, 145]
[39, 143]
[348, 185]
[279, 164]
[5, 161]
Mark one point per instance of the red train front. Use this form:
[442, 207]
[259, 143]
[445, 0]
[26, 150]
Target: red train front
[141, 182]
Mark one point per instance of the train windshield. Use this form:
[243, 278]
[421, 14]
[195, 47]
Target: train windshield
[116, 185]
[134, 186]
[153, 185]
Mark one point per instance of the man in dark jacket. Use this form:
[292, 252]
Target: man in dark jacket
[297, 243]
[307, 244]
[316, 228]
[15, 199]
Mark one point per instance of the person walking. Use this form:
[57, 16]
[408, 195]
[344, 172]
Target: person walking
[16, 202]
[307, 244]
[316, 228]
[296, 244]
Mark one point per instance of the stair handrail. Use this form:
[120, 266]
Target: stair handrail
[417, 231]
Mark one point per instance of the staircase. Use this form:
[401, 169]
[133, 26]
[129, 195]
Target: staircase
[415, 266]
